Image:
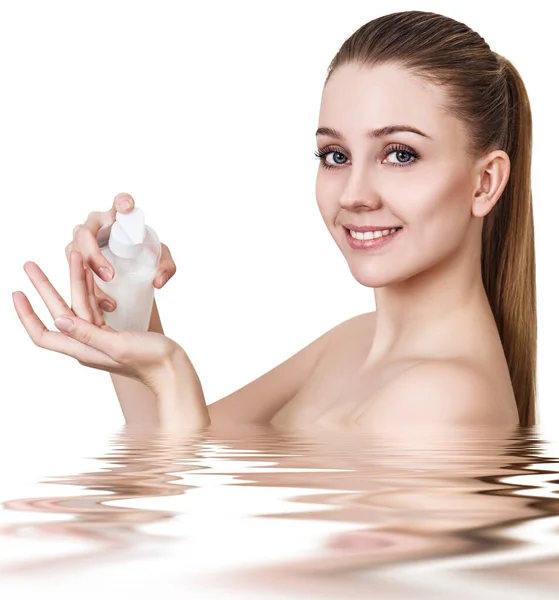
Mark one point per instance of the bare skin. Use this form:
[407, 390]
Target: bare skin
[342, 385]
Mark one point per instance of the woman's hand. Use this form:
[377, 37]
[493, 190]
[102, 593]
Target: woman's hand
[85, 242]
[84, 335]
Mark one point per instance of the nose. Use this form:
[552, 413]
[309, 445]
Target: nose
[357, 196]
[354, 203]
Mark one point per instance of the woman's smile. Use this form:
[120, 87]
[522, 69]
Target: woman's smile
[370, 240]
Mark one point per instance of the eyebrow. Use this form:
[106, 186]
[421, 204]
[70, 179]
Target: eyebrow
[373, 133]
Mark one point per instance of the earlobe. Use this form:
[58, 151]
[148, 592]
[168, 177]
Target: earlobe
[494, 175]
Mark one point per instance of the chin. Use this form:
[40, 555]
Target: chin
[371, 278]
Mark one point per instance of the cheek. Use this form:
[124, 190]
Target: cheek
[326, 200]
[442, 214]
[436, 201]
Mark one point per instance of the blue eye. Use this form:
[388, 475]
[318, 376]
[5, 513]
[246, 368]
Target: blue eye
[397, 149]
[321, 154]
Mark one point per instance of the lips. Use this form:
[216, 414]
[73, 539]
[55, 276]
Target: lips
[371, 244]
[364, 228]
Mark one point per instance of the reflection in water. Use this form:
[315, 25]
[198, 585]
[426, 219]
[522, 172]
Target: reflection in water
[477, 503]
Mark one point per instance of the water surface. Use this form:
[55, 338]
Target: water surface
[258, 513]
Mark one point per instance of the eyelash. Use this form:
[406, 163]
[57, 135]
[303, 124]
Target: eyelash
[321, 153]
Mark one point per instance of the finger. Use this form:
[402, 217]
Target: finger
[123, 203]
[54, 302]
[53, 340]
[166, 269]
[105, 339]
[85, 236]
[68, 249]
[78, 287]
[105, 302]
[98, 317]
[85, 242]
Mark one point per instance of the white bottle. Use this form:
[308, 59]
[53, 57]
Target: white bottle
[134, 250]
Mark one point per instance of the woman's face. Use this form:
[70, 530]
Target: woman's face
[423, 183]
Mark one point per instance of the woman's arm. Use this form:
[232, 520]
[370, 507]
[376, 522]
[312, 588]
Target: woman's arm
[137, 401]
[179, 395]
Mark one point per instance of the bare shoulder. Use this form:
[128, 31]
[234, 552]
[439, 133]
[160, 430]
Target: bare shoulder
[441, 392]
[259, 400]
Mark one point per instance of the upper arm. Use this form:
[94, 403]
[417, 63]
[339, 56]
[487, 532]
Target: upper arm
[437, 396]
[259, 400]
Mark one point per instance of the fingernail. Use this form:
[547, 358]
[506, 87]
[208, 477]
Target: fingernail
[64, 324]
[106, 305]
[163, 279]
[124, 204]
[105, 273]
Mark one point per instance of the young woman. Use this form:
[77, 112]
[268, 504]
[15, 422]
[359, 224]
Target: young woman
[424, 139]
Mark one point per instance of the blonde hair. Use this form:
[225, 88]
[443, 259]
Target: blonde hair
[486, 92]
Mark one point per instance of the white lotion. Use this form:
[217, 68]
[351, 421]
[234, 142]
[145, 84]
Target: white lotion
[134, 250]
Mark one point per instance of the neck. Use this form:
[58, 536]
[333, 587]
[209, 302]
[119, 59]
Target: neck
[432, 313]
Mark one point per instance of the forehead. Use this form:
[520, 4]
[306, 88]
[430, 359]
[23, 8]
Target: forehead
[359, 98]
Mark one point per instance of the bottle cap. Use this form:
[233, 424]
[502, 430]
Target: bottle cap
[127, 233]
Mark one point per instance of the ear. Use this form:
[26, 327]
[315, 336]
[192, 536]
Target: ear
[493, 172]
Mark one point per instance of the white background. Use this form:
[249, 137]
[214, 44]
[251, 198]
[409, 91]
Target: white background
[206, 113]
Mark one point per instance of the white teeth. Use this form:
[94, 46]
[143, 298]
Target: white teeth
[370, 235]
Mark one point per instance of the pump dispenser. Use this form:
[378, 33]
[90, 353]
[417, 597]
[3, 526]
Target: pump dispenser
[134, 250]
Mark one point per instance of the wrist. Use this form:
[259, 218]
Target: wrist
[178, 392]
[168, 372]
